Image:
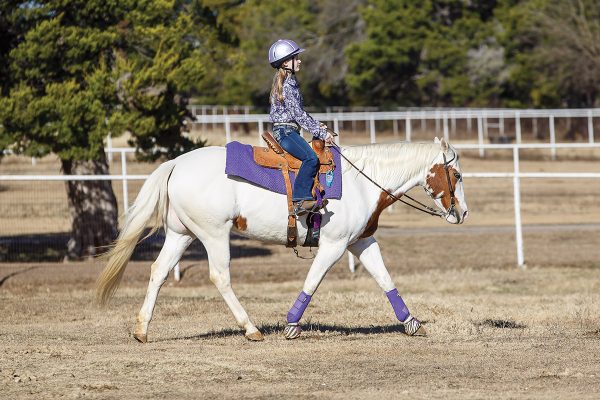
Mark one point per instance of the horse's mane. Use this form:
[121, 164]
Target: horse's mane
[403, 160]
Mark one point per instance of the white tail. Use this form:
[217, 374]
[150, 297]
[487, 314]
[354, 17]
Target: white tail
[151, 201]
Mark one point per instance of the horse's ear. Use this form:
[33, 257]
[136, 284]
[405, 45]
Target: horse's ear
[443, 145]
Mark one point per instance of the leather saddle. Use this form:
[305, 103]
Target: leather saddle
[275, 157]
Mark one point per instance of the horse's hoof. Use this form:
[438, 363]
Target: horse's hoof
[413, 327]
[255, 336]
[292, 331]
[421, 331]
[142, 338]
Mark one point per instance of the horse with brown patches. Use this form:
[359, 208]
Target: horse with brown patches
[208, 205]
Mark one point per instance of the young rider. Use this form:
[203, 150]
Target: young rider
[288, 115]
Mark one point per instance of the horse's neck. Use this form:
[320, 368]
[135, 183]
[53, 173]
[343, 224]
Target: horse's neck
[397, 166]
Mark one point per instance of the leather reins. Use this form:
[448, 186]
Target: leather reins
[424, 208]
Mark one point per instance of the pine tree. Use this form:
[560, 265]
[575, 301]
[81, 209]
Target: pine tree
[75, 71]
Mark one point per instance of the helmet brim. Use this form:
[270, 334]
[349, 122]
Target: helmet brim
[277, 63]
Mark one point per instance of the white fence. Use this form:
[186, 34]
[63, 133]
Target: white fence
[516, 176]
[445, 122]
[445, 117]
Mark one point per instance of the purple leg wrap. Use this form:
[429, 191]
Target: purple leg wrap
[398, 305]
[298, 308]
[316, 222]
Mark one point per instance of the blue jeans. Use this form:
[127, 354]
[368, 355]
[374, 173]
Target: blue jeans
[291, 141]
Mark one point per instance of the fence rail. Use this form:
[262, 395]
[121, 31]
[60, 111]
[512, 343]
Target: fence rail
[516, 175]
[445, 120]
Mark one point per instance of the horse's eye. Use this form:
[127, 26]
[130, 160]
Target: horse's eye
[458, 176]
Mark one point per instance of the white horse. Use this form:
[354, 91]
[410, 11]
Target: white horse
[192, 197]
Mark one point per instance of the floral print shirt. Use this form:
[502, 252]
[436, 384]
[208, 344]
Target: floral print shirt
[292, 109]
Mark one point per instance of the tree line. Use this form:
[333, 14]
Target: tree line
[73, 72]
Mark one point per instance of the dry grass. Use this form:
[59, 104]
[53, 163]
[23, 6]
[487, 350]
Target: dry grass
[494, 330]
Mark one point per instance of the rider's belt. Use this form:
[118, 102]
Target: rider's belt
[291, 124]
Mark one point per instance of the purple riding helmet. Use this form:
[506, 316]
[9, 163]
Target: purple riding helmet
[283, 50]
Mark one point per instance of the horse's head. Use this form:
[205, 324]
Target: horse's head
[444, 184]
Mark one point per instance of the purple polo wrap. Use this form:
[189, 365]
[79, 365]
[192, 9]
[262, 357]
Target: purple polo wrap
[316, 221]
[298, 308]
[240, 162]
[398, 305]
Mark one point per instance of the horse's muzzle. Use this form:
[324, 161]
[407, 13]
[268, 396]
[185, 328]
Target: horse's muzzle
[454, 217]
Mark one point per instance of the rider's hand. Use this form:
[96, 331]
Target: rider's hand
[329, 139]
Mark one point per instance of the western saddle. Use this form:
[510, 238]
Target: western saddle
[275, 157]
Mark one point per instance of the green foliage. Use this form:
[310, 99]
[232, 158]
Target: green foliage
[561, 56]
[383, 67]
[130, 66]
[424, 52]
[78, 70]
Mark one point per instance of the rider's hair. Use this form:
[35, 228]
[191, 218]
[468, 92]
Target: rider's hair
[277, 88]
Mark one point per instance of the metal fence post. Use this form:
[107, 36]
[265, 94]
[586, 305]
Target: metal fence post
[480, 136]
[552, 138]
[518, 127]
[372, 129]
[408, 129]
[590, 127]
[336, 125]
[446, 134]
[227, 129]
[261, 130]
[125, 186]
[517, 199]
[469, 123]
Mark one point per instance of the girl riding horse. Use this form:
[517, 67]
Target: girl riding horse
[288, 115]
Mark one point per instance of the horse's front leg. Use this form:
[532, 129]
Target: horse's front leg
[368, 252]
[327, 255]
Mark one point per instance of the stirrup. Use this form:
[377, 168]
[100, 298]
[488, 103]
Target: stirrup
[300, 210]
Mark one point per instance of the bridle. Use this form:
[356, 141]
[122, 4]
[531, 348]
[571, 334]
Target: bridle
[420, 206]
[452, 208]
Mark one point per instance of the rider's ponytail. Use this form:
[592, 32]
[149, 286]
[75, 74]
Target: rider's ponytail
[277, 88]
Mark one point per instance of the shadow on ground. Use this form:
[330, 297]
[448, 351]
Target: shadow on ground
[51, 247]
[276, 329]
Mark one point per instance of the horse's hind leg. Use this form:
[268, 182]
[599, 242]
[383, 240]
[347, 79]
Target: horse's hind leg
[217, 248]
[172, 250]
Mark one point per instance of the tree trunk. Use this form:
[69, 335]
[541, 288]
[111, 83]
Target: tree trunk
[93, 209]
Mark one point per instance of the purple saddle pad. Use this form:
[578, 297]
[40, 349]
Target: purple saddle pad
[240, 162]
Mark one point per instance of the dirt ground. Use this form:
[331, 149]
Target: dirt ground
[494, 330]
